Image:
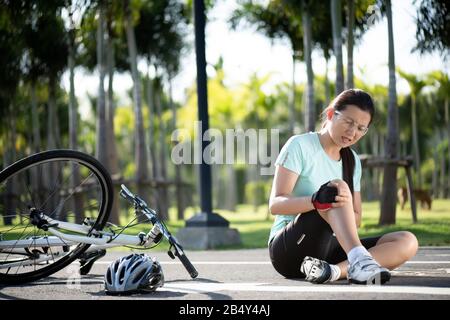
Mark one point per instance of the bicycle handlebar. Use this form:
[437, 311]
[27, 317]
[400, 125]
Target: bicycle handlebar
[151, 214]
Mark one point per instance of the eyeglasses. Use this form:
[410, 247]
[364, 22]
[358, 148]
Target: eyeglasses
[350, 123]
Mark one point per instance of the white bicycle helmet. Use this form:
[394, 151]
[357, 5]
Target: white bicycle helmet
[133, 273]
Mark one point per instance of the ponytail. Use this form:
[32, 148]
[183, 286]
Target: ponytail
[348, 166]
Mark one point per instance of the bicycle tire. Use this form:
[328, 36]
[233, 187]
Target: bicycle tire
[105, 189]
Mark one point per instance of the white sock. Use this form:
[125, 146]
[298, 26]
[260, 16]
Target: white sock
[357, 252]
[335, 272]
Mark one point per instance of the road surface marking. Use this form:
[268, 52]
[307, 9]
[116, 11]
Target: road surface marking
[196, 287]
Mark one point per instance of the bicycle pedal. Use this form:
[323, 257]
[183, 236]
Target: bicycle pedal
[87, 260]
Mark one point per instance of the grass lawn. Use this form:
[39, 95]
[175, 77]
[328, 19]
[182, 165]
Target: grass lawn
[432, 229]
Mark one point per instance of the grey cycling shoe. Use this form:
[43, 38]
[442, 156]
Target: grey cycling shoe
[315, 270]
[367, 271]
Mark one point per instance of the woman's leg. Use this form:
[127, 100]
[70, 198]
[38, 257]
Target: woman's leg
[391, 251]
[342, 221]
[307, 235]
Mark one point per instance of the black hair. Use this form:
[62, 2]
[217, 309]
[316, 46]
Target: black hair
[363, 101]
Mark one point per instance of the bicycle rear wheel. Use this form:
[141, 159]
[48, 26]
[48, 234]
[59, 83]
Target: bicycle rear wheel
[65, 185]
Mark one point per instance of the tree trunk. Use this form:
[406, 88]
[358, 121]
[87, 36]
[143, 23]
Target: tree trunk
[73, 113]
[389, 192]
[292, 99]
[434, 179]
[140, 145]
[163, 197]
[113, 160]
[447, 124]
[11, 196]
[443, 184]
[151, 130]
[178, 174]
[230, 188]
[350, 26]
[36, 183]
[51, 177]
[217, 199]
[35, 120]
[373, 192]
[51, 142]
[415, 140]
[101, 143]
[75, 178]
[310, 112]
[336, 22]
[327, 84]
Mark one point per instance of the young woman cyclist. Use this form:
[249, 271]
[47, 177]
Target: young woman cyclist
[320, 242]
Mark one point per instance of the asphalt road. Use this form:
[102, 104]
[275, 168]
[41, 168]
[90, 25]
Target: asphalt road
[244, 274]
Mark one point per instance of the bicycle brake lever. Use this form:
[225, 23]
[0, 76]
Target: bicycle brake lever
[125, 193]
[141, 202]
[170, 253]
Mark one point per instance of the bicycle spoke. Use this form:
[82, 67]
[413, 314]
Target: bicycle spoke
[19, 238]
[54, 191]
[21, 263]
[31, 195]
[64, 185]
[74, 189]
[16, 227]
[50, 248]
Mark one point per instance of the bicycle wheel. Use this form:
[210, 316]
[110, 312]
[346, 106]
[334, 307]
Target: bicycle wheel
[64, 185]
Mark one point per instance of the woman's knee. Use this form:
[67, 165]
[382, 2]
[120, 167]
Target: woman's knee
[411, 243]
[407, 240]
[341, 183]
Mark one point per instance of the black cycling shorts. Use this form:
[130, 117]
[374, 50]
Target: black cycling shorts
[307, 235]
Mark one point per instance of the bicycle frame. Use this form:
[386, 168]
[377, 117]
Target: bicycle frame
[97, 239]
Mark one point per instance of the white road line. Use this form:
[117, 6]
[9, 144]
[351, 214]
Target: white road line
[195, 287]
[206, 262]
[262, 262]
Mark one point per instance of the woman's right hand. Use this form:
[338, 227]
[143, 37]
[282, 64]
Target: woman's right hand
[344, 194]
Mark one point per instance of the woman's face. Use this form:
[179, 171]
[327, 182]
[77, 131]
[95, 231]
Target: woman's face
[348, 125]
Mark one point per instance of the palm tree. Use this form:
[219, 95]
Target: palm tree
[433, 29]
[275, 21]
[101, 142]
[441, 80]
[350, 41]
[140, 145]
[73, 108]
[336, 21]
[113, 18]
[160, 38]
[415, 84]
[389, 192]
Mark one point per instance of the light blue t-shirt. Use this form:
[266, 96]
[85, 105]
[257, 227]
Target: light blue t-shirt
[304, 155]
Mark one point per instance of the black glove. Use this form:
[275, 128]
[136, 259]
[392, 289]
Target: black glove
[323, 197]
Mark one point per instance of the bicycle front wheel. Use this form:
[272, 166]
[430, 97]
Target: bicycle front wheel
[65, 185]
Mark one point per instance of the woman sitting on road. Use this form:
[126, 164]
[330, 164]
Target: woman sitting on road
[318, 240]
